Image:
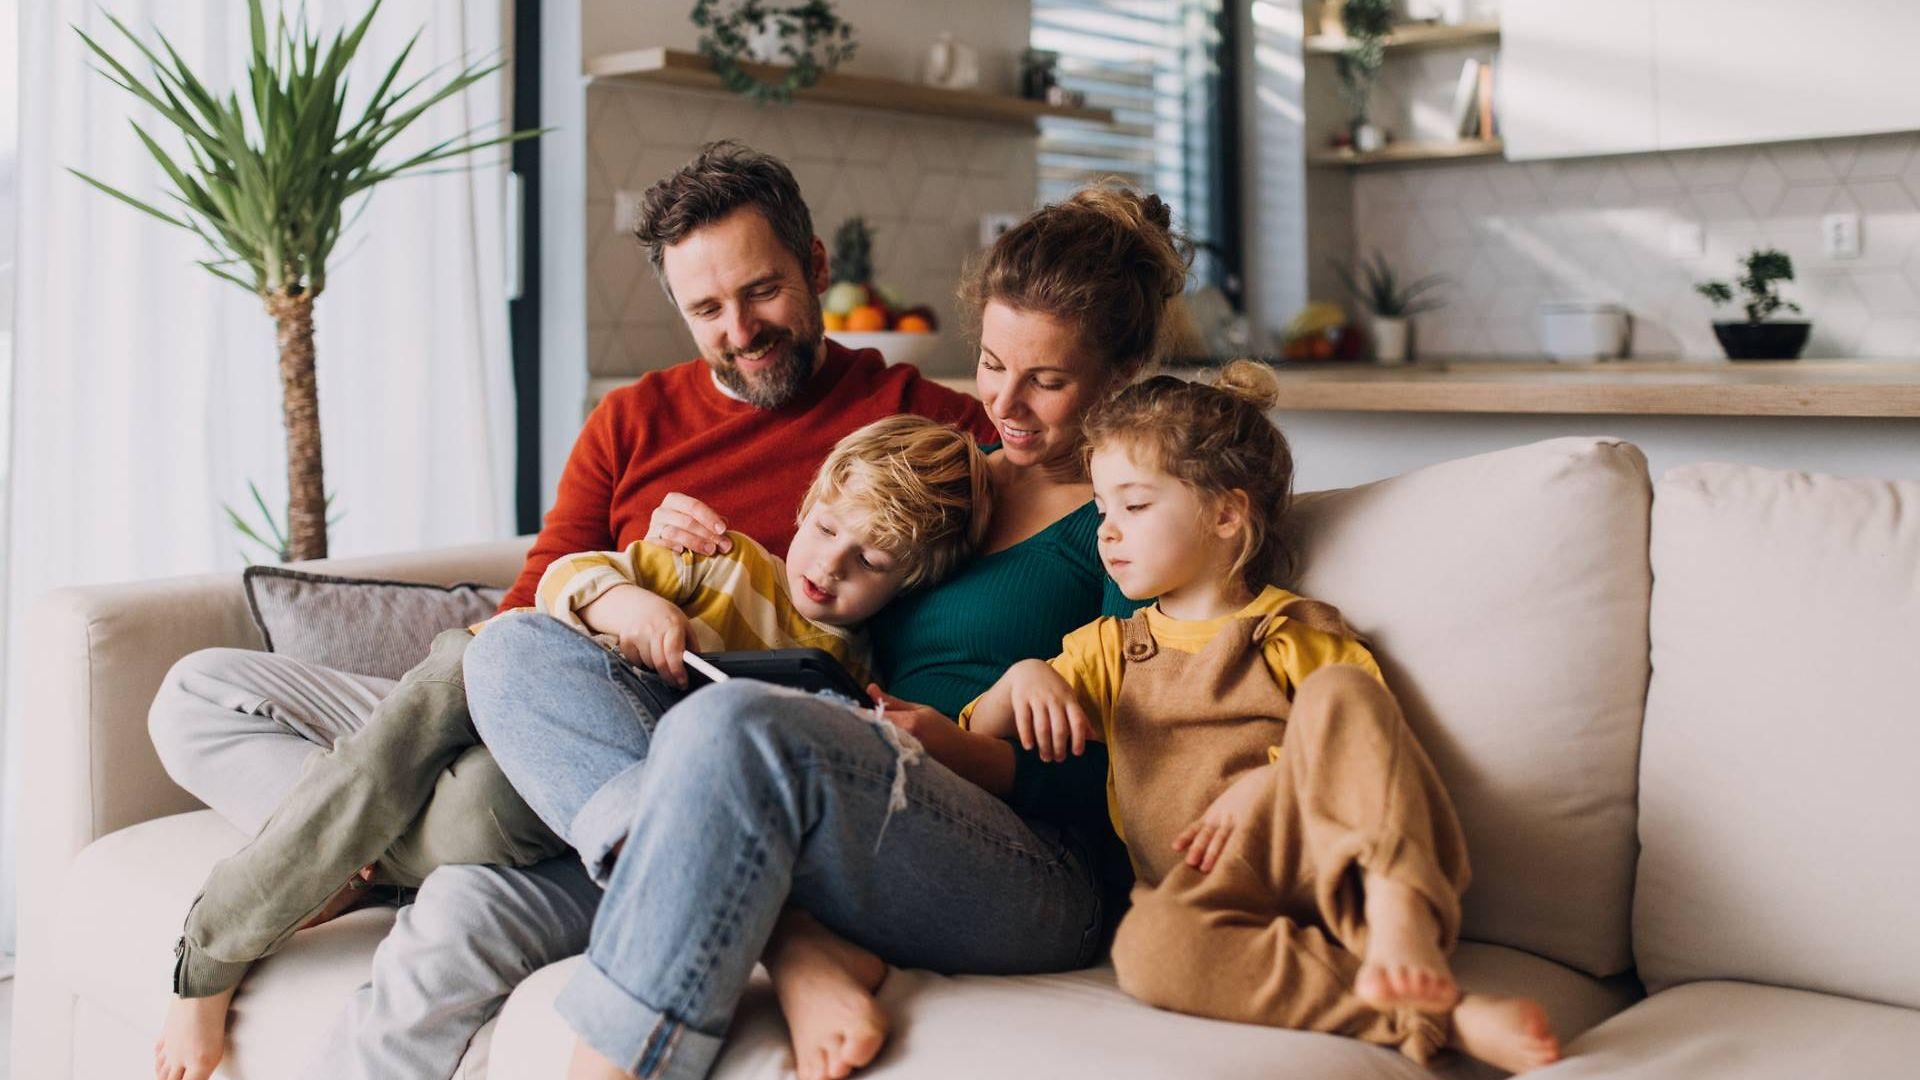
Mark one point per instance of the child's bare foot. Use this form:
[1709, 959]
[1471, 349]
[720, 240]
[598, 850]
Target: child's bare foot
[351, 895]
[1404, 965]
[825, 986]
[194, 1039]
[1509, 1032]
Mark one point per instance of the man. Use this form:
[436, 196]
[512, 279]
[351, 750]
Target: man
[744, 427]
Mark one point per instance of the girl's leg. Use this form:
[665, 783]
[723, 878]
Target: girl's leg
[754, 795]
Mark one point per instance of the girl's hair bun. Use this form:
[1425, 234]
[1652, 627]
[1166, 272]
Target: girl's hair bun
[1250, 381]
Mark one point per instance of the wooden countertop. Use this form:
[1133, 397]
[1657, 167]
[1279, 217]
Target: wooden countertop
[1857, 388]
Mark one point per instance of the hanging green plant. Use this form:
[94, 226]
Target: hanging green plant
[808, 38]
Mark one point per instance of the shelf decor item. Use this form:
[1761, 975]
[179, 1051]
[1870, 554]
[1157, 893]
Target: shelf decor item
[860, 313]
[809, 39]
[1759, 337]
[1390, 305]
[267, 174]
[1367, 24]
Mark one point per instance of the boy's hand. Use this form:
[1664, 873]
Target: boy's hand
[651, 631]
[684, 523]
[1046, 712]
[1205, 839]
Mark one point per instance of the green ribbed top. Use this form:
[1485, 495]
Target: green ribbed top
[946, 645]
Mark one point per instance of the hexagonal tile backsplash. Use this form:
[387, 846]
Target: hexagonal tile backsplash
[1512, 235]
[921, 182]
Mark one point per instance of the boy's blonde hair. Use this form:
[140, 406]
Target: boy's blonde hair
[923, 485]
[1215, 439]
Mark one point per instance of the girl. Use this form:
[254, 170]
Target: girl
[1298, 863]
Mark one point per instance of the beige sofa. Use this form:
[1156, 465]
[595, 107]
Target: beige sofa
[1681, 723]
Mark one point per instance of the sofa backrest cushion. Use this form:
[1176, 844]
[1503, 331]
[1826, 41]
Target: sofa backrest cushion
[1780, 772]
[1506, 598]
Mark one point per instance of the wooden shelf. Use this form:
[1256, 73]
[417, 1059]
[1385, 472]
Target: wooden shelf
[1406, 153]
[1816, 388]
[1415, 36]
[675, 67]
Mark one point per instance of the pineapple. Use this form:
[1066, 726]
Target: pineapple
[853, 252]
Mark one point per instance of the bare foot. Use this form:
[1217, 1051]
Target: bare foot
[351, 895]
[1511, 1033]
[1404, 965]
[825, 985]
[587, 1064]
[194, 1039]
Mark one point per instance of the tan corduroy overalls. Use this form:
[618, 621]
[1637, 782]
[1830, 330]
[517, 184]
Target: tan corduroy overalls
[1274, 933]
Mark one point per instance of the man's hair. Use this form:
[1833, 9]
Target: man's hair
[724, 177]
[924, 485]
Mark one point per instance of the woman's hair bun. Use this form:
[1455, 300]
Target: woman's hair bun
[1250, 381]
[1158, 212]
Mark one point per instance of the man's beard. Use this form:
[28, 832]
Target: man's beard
[780, 382]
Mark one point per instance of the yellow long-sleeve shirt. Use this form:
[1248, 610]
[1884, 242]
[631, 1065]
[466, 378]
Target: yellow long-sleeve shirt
[1093, 658]
[735, 600]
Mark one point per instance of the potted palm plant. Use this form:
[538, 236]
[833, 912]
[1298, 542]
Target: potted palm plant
[268, 172]
[1389, 303]
[1760, 337]
[1367, 24]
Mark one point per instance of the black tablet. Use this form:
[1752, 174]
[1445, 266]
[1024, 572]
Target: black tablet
[811, 670]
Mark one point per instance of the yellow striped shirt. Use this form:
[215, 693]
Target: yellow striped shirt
[736, 600]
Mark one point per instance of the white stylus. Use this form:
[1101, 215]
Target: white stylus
[693, 661]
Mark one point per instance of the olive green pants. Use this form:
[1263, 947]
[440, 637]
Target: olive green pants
[410, 791]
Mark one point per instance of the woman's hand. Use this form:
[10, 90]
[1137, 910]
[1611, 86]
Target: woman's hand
[651, 631]
[1205, 839]
[1046, 712]
[684, 523]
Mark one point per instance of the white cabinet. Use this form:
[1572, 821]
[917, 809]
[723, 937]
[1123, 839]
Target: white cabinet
[1583, 77]
[1745, 71]
[1576, 77]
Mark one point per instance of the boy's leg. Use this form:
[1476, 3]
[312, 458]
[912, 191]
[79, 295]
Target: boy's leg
[1236, 944]
[235, 727]
[474, 817]
[348, 807]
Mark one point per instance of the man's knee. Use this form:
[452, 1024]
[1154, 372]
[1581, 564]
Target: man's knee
[210, 680]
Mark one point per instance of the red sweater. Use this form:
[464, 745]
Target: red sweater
[673, 430]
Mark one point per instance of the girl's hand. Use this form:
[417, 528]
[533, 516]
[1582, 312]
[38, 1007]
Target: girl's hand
[923, 722]
[650, 630]
[1205, 839]
[1046, 712]
[684, 523]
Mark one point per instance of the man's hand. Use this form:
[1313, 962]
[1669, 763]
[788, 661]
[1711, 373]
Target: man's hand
[684, 523]
[1205, 839]
[1046, 712]
[651, 630]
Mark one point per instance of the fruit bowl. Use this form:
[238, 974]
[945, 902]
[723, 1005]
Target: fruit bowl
[896, 346]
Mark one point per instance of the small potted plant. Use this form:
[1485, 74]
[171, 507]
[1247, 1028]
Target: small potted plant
[1366, 24]
[1759, 337]
[1388, 303]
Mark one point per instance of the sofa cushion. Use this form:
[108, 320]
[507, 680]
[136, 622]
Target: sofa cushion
[1721, 1029]
[1780, 819]
[1072, 1024]
[1506, 597]
[369, 626]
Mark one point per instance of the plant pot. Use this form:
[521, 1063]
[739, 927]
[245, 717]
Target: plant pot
[1367, 137]
[1762, 340]
[1389, 339]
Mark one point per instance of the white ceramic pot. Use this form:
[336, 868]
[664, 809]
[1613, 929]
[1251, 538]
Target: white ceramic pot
[1583, 332]
[895, 346]
[1389, 339]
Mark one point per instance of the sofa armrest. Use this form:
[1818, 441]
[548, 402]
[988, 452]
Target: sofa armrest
[95, 655]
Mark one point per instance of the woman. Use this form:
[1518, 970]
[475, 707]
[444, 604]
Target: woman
[982, 859]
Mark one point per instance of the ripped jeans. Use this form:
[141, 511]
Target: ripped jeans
[742, 799]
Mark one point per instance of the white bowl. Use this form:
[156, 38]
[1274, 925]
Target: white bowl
[897, 346]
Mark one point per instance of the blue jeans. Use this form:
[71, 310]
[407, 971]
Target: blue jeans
[742, 799]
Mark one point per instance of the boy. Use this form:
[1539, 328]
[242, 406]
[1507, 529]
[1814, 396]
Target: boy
[896, 505]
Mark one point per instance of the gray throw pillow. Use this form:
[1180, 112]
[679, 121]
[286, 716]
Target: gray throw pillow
[361, 625]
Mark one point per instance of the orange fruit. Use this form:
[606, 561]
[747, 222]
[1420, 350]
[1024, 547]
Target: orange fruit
[832, 321]
[866, 318]
[914, 324]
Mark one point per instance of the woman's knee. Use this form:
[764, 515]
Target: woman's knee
[746, 719]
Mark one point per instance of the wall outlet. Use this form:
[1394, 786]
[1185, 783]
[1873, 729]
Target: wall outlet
[1686, 240]
[626, 211]
[1840, 235]
[992, 225]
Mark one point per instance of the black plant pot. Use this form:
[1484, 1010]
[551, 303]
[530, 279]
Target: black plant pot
[1762, 340]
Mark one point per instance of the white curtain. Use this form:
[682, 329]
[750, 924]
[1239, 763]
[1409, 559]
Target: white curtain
[145, 392]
